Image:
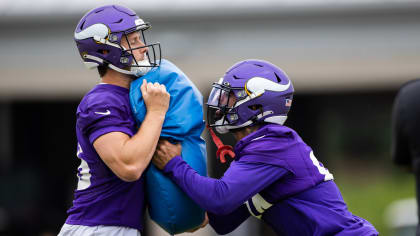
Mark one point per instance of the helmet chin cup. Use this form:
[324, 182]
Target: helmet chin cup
[219, 128]
[136, 71]
[140, 71]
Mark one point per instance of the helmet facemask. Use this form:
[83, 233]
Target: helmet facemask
[222, 111]
[133, 66]
[151, 57]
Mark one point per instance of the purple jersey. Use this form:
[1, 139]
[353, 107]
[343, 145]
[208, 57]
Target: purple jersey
[276, 164]
[101, 198]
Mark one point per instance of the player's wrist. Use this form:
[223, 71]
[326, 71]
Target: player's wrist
[156, 114]
[170, 164]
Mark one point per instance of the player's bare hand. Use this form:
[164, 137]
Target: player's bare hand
[165, 151]
[155, 97]
[205, 222]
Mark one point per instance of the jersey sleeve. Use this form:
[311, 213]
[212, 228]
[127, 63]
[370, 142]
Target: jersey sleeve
[400, 149]
[224, 224]
[100, 118]
[240, 182]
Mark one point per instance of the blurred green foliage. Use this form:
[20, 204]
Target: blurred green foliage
[368, 189]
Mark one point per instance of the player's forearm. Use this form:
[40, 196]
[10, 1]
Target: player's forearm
[213, 195]
[139, 149]
[222, 196]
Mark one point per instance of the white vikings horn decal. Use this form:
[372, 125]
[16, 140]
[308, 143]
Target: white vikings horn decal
[99, 30]
[258, 83]
[139, 22]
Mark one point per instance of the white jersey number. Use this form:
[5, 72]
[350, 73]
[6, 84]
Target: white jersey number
[83, 171]
[322, 170]
[260, 205]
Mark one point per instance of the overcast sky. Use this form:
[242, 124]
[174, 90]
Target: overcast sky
[42, 7]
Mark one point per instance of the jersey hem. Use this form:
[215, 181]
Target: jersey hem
[94, 223]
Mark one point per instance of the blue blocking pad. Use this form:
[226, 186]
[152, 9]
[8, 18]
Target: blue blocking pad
[168, 205]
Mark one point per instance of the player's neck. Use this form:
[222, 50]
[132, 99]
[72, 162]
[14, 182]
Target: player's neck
[117, 78]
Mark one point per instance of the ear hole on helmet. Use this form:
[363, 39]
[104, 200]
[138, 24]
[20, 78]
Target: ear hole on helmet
[81, 26]
[119, 21]
[278, 78]
[258, 65]
[236, 77]
[255, 107]
[103, 51]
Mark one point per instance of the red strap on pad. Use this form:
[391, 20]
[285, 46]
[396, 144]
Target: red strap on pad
[222, 150]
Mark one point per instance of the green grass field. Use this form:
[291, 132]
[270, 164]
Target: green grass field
[368, 191]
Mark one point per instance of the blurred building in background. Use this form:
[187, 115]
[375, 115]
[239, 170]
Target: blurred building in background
[346, 59]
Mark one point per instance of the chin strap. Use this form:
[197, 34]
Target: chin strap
[222, 150]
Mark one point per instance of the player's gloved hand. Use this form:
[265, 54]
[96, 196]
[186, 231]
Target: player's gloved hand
[164, 152]
[155, 97]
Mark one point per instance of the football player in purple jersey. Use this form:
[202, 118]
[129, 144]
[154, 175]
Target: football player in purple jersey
[109, 199]
[275, 176]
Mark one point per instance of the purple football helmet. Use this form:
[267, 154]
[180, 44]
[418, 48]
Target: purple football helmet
[251, 92]
[98, 37]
